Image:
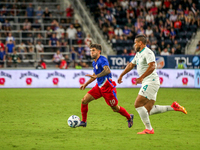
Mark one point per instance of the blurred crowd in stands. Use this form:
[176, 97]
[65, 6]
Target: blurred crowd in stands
[44, 34]
[168, 24]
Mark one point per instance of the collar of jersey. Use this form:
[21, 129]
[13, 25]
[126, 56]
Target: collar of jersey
[142, 50]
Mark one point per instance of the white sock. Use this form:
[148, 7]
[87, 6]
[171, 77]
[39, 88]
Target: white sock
[142, 111]
[156, 109]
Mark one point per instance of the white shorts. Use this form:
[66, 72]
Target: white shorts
[149, 91]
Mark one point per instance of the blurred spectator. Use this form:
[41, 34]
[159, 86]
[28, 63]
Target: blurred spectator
[63, 63]
[101, 4]
[118, 31]
[129, 24]
[10, 37]
[54, 25]
[148, 31]
[111, 33]
[79, 36]
[39, 47]
[2, 45]
[82, 55]
[53, 40]
[132, 53]
[71, 32]
[167, 3]
[154, 10]
[149, 18]
[30, 47]
[41, 65]
[36, 25]
[10, 47]
[79, 49]
[124, 4]
[126, 32]
[165, 52]
[47, 15]
[158, 3]
[39, 14]
[6, 25]
[149, 4]
[74, 54]
[77, 65]
[22, 47]
[172, 51]
[14, 59]
[101, 20]
[173, 17]
[77, 24]
[58, 12]
[181, 64]
[84, 64]
[172, 34]
[57, 58]
[49, 32]
[69, 13]
[133, 3]
[130, 13]
[30, 12]
[60, 31]
[125, 52]
[39, 36]
[109, 16]
[88, 41]
[27, 25]
[2, 57]
[162, 46]
[63, 43]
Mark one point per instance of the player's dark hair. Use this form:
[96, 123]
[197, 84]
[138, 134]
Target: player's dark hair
[142, 38]
[97, 46]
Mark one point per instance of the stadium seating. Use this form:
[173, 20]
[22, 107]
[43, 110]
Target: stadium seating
[184, 34]
[15, 16]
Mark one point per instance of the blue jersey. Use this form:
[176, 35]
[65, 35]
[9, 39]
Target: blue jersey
[98, 68]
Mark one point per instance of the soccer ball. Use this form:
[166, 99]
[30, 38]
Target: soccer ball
[74, 121]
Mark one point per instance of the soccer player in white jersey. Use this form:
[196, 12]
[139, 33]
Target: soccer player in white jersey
[146, 67]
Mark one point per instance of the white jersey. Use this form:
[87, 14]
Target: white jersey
[142, 59]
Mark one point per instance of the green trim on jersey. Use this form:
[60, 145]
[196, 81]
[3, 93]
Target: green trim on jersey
[141, 50]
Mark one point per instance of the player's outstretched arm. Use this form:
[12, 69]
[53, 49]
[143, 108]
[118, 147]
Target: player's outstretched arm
[88, 82]
[128, 68]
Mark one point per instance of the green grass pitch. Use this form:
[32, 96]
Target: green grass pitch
[36, 119]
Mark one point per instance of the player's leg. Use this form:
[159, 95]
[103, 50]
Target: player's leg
[144, 103]
[140, 104]
[111, 99]
[124, 113]
[84, 105]
[93, 94]
[161, 109]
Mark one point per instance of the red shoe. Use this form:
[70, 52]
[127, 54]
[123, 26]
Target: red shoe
[178, 107]
[146, 131]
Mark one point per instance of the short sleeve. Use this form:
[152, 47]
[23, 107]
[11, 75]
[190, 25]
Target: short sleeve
[150, 57]
[104, 62]
[134, 60]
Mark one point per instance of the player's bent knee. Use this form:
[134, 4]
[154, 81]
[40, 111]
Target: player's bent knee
[116, 108]
[84, 101]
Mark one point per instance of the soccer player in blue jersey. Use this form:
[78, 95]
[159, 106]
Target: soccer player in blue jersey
[105, 87]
